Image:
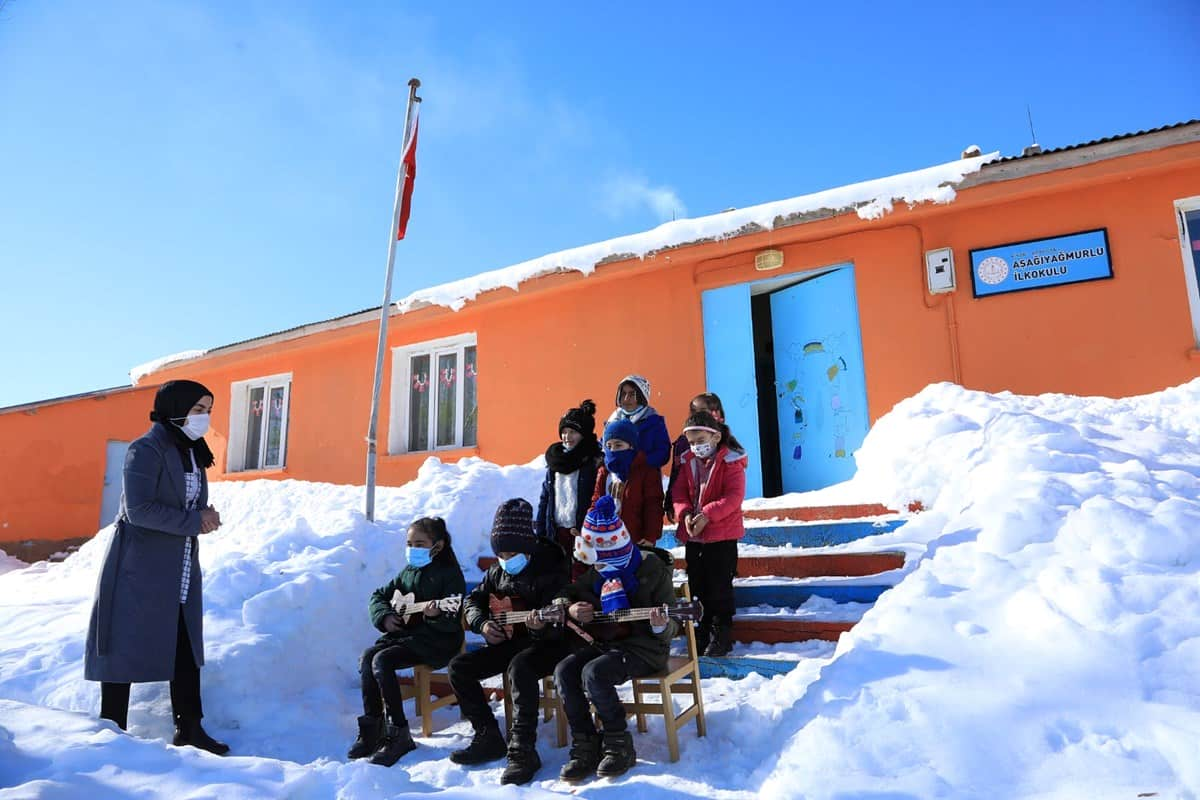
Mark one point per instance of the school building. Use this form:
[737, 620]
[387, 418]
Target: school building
[1066, 270]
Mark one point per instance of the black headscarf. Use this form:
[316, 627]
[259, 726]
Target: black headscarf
[173, 402]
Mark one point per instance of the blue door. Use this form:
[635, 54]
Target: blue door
[821, 390]
[729, 369]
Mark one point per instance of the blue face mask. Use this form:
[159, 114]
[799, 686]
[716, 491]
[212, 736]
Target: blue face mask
[514, 565]
[418, 556]
[618, 462]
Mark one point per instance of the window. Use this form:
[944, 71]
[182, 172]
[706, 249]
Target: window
[258, 424]
[434, 401]
[1188, 216]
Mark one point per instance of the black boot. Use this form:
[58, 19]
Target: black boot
[721, 643]
[397, 740]
[486, 745]
[190, 732]
[703, 635]
[583, 758]
[618, 755]
[370, 731]
[523, 761]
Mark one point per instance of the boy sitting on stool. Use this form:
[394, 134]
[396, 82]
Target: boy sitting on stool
[621, 577]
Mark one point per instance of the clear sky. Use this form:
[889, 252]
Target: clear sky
[179, 176]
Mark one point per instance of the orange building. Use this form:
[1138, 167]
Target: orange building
[1072, 270]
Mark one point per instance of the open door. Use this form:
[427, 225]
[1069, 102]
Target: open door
[821, 391]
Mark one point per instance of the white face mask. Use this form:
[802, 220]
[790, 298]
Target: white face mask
[195, 426]
[703, 449]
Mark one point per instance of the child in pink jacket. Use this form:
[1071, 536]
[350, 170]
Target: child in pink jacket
[707, 496]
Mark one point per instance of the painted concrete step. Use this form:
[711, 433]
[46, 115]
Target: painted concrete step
[813, 534]
[821, 513]
[784, 594]
[738, 667]
[783, 629]
[816, 565]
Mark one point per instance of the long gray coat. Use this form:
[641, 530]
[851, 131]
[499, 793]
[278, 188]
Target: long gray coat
[132, 633]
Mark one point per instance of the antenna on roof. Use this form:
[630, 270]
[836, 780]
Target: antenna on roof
[1034, 148]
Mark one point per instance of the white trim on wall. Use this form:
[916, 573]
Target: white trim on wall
[239, 407]
[1182, 207]
[398, 423]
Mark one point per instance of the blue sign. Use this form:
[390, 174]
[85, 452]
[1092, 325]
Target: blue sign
[1035, 264]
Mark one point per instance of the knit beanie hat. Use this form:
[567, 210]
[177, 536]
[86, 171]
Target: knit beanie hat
[622, 429]
[603, 531]
[582, 419]
[512, 529]
[611, 549]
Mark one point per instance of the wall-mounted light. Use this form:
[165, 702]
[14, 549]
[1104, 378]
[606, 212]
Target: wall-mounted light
[768, 260]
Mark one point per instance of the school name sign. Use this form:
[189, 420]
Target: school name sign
[1038, 263]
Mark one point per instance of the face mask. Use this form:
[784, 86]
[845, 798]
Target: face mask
[418, 556]
[515, 564]
[195, 426]
[618, 462]
[703, 449]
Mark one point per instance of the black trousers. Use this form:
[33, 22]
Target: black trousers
[380, 686]
[594, 674]
[185, 686]
[710, 571]
[526, 661]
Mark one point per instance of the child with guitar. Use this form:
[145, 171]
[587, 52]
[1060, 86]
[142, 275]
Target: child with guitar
[622, 577]
[518, 589]
[431, 636]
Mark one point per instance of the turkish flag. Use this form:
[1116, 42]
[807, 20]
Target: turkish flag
[409, 160]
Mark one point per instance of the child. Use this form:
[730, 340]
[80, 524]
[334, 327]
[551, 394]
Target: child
[622, 576]
[633, 404]
[571, 466]
[708, 499]
[531, 571]
[635, 487]
[705, 401]
[430, 638]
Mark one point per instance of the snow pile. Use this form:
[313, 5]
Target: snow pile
[142, 370]
[8, 563]
[1043, 644]
[871, 200]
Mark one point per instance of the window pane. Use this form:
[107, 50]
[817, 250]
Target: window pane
[1192, 219]
[447, 399]
[275, 409]
[470, 406]
[254, 426]
[418, 404]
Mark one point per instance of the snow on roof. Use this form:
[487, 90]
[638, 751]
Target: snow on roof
[870, 199]
[142, 370]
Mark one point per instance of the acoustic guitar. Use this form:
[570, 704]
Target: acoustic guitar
[511, 614]
[616, 625]
[410, 610]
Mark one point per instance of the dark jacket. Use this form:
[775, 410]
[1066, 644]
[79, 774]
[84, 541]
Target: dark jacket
[537, 585]
[678, 448]
[585, 482]
[135, 616]
[654, 589]
[437, 639]
[641, 506]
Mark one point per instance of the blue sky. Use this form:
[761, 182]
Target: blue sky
[185, 175]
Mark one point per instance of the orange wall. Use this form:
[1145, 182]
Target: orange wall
[52, 472]
[566, 337]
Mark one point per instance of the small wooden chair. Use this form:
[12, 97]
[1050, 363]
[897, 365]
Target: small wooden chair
[550, 704]
[421, 691]
[682, 677]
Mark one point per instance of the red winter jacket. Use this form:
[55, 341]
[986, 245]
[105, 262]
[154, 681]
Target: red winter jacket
[721, 500]
[642, 502]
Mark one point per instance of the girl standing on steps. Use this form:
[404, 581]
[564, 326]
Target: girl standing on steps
[705, 401]
[431, 638]
[707, 496]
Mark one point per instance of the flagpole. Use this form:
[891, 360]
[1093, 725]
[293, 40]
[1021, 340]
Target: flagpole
[372, 426]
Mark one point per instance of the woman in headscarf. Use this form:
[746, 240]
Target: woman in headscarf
[146, 622]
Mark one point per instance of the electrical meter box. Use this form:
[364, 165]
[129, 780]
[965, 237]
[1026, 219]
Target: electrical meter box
[939, 270]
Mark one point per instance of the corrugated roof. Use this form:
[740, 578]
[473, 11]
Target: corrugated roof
[1118, 137]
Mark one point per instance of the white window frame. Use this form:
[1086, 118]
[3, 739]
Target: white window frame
[402, 380]
[1189, 261]
[239, 400]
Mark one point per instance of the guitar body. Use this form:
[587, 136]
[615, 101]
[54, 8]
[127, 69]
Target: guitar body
[500, 605]
[609, 631]
[408, 618]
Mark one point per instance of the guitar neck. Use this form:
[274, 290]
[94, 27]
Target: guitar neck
[624, 615]
[513, 617]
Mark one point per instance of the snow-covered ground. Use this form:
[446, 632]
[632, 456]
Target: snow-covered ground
[1043, 643]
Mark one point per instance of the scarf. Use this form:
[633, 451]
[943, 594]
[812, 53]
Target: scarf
[561, 460]
[616, 576]
[618, 462]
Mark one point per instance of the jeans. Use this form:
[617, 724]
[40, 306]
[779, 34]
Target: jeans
[380, 686]
[594, 674]
[710, 571]
[525, 660]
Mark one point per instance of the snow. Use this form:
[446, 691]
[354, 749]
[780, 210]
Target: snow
[142, 370]
[1042, 644]
[8, 563]
[871, 200]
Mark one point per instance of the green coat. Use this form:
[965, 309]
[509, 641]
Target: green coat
[436, 640]
[654, 589]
